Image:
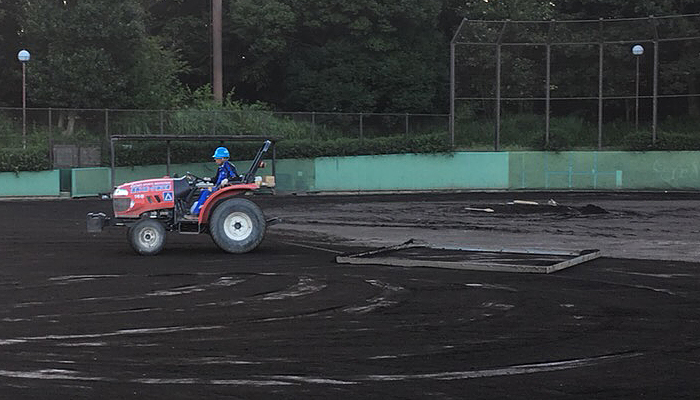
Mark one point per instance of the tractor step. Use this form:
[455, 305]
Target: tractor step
[189, 228]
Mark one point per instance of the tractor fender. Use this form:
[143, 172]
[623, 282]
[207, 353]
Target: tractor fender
[221, 194]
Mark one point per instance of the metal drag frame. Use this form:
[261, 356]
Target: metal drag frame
[574, 258]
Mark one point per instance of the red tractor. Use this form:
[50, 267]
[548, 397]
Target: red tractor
[149, 208]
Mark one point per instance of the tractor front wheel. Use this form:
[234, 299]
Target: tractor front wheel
[237, 225]
[147, 237]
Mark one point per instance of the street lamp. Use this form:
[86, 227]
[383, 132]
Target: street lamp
[637, 50]
[23, 56]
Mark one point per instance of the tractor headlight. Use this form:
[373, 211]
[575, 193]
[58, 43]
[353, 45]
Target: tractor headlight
[120, 192]
[122, 204]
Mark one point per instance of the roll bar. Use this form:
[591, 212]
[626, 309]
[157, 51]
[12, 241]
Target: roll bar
[249, 177]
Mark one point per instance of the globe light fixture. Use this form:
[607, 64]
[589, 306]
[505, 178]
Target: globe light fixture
[637, 50]
[23, 56]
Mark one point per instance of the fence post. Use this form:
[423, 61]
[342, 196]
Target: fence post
[452, 92]
[655, 100]
[497, 138]
[313, 124]
[107, 124]
[600, 86]
[406, 124]
[107, 140]
[548, 86]
[112, 158]
[274, 160]
[497, 135]
[50, 139]
[548, 83]
[167, 168]
[361, 127]
[160, 113]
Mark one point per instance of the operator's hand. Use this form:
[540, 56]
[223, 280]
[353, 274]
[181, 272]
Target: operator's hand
[224, 182]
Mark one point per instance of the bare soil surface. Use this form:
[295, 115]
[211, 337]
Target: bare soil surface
[622, 225]
[83, 317]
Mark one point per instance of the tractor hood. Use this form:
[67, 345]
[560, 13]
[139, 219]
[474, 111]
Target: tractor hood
[147, 186]
[134, 198]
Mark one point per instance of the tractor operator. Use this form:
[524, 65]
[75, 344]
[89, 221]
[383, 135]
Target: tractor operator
[225, 174]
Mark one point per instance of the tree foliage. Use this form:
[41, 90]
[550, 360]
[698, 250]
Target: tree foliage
[305, 55]
[11, 78]
[184, 25]
[365, 55]
[96, 54]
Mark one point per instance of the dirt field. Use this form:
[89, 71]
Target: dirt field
[83, 317]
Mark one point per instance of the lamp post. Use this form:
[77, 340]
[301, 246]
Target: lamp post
[23, 56]
[637, 50]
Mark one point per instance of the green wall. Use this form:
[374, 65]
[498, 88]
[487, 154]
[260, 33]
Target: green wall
[482, 170]
[575, 170]
[42, 183]
[90, 181]
[656, 170]
[295, 175]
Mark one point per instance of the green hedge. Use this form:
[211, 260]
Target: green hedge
[664, 141]
[145, 153]
[149, 153]
[30, 159]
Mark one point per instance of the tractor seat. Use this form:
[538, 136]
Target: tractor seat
[181, 187]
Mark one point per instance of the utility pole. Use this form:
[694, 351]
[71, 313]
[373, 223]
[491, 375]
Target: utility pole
[217, 84]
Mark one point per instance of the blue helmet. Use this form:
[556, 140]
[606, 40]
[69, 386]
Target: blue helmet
[221, 152]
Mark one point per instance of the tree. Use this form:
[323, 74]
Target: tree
[185, 26]
[365, 55]
[11, 78]
[96, 54]
[261, 36]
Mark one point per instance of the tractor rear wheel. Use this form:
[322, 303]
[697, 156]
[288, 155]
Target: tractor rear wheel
[237, 225]
[147, 237]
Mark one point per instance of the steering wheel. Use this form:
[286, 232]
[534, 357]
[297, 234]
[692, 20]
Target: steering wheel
[193, 179]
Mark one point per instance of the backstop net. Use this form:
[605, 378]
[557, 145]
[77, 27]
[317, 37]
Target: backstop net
[608, 83]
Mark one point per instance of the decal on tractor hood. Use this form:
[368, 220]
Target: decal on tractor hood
[151, 187]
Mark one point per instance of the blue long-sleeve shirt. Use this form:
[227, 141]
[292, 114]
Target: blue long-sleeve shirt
[226, 171]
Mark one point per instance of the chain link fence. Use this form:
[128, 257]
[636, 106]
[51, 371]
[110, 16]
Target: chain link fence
[574, 84]
[74, 134]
